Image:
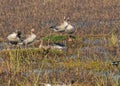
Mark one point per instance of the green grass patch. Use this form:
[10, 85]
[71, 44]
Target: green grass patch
[55, 38]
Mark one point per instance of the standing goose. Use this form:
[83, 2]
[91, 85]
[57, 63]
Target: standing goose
[14, 38]
[64, 27]
[30, 38]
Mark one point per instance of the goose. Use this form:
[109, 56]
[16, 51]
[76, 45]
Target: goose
[30, 38]
[58, 46]
[43, 46]
[14, 38]
[64, 27]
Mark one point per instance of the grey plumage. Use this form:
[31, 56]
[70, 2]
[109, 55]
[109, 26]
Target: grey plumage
[64, 27]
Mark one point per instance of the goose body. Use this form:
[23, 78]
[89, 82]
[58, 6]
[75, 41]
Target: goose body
[60, 28]
[14, 38]
[30, 38]
[64, 27]
[59, 46]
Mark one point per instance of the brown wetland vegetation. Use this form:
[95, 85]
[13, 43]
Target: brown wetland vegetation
[89, 60]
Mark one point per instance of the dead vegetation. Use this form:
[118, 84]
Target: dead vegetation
[94, 19]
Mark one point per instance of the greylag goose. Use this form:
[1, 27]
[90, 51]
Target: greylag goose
[30, 38]
[58, 46]
[14, 38]
[64, 27]
[43, 46]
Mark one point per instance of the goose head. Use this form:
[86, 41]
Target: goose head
[19, 34]
[32, 30]
[66, 19]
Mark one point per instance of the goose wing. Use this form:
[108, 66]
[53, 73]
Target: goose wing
[61, 27]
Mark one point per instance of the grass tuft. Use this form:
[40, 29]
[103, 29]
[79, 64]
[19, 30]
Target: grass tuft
[55, 38]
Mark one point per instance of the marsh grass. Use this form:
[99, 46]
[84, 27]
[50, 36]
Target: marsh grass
[22, 61]
[97, 20]
[113, 40]
[24, 15]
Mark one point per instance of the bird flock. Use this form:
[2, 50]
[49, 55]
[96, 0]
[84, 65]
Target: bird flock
[15, 37]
